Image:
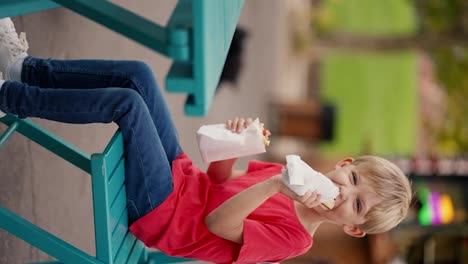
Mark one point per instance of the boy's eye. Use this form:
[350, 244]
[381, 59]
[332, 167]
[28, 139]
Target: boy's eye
[358, 205]
[354, 178]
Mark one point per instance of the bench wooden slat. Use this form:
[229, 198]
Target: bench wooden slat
[125, 249]
[113, 152]
[116, 180]
[119, 232]
[117, 208]
[137, 252]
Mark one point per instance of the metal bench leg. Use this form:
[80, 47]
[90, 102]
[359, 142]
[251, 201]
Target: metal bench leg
[46, 139]
[42, 239]
[12, 8]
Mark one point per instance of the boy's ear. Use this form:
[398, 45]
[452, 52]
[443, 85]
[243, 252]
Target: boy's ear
[353, 231]
[344, 162]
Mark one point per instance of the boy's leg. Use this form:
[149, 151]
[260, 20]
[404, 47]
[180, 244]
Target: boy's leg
[148, 172]
[91, 74]
[81, 74]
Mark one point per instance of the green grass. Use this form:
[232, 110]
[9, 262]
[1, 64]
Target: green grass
[371, 17]
[375, 97]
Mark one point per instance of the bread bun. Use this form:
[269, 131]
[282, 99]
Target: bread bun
[266, 134]
[328, 205]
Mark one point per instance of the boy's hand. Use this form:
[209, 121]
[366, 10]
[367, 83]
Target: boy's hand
[309, 199]
[237, 125]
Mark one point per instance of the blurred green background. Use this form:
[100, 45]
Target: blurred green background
[371, 73]
[375, 96]
[368, 17]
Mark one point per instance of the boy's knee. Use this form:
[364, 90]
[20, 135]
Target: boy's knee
[142, 77]
[131, 97]
[141, 70]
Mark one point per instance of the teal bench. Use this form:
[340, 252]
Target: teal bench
[197, 37]
[114, 242]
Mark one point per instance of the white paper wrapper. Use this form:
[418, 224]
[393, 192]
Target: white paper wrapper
[216, 142]
[300, 178]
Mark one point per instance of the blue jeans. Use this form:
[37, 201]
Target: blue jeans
[91, 91]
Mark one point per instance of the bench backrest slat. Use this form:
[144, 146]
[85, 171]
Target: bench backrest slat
[125, 249]
[114, 242]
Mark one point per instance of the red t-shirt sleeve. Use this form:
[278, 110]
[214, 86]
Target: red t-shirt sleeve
[256, 165]
[271, 242]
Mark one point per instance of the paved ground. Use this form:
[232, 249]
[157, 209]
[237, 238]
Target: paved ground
[57, 196]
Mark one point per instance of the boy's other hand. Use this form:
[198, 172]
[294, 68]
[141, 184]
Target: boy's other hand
[309, 199]
[237, 125]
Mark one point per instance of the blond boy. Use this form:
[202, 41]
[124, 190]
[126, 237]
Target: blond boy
[221, 216]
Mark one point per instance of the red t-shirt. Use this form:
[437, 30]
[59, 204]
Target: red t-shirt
[272, 232]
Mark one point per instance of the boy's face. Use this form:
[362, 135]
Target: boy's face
[356, 198]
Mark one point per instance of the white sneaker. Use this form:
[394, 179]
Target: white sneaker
[12, 46]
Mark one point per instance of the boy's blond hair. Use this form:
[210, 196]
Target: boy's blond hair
[393, 188]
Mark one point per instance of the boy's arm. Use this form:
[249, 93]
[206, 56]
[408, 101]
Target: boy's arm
[227, 221]
[221, 171]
